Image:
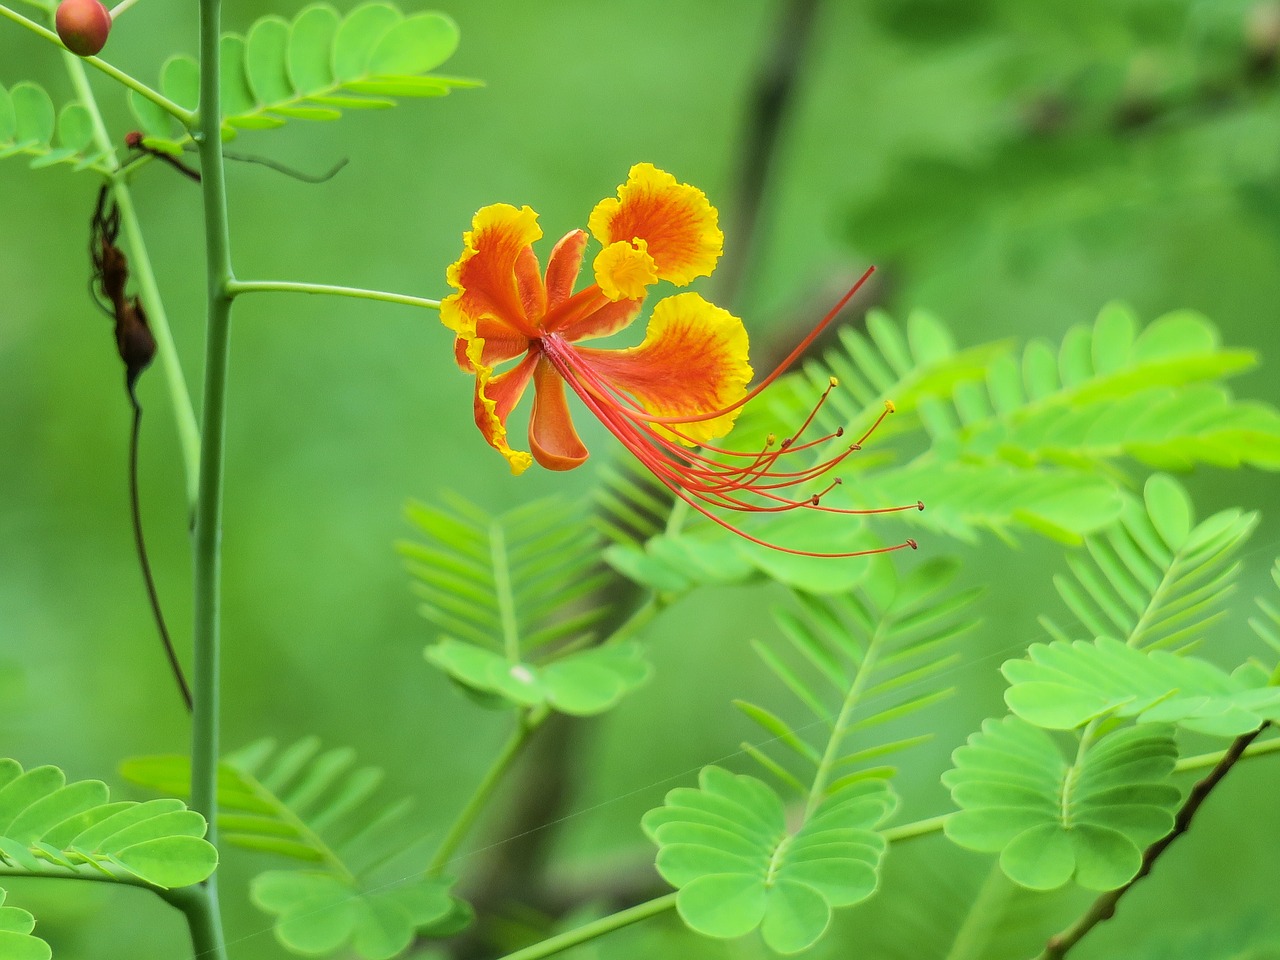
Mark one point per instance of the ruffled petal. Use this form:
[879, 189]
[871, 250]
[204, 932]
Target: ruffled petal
[552, 438]
[693, 361]
[624, 269]
[497, 341]
[675, 220]
[495, 398]
[493, 275]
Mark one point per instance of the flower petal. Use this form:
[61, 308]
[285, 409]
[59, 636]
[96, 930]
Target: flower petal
[496, 276]
[693, 361]
[595, 317]
[552, 438]
[624, 269]
[675, 220]
[563, 267]
[495, 398]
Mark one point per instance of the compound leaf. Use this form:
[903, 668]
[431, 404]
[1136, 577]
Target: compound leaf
[727, 848]
[17, 942]
[1065, 685]
[1051, 819]
[313, 68]
[1156, 578]
[317, 808]
[31, 126]
[49, 827]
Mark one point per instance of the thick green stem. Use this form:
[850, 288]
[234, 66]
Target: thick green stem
[597, 928]
[208, 528]
[185, 117]
[199, 904]
[282, 286]
[525, 725]
[141, 270]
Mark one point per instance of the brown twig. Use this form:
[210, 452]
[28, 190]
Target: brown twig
[1104, 907]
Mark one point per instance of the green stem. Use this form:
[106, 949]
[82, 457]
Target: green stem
[973, 940]
[281, 286]
[200, 906]
[597, 928]
[141, 270]
[208, 529]
[185, 117]
[525, 725]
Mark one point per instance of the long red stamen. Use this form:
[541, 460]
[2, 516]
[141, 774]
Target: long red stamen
[753, 485]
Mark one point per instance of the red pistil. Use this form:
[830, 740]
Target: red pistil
[705, 482]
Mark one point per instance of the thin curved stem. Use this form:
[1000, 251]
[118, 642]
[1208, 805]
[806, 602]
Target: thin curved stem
[237, 287]
[597, 928]
[183, 116]
[140, 268]
[525, 725]
[140, 543]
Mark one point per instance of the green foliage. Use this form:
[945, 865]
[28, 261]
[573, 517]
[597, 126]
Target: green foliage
[1267, 626]
[1112, 391]
[1051, 818]
[51, 828]
[1156, 578]
[1038, 442]
[315, 808]
[1063, 685]
[727, 848]
[16, 939]
[31, 126]
[583, 684]
[857, 661]
[312, 69]
[517, 596]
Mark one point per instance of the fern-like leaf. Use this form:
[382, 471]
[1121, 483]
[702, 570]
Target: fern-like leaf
[516, 597]
[312, 68]
[726, 846]
[855, 661]
[31, 126]
[51, 828]
[1156, 578]
[17, 942]
[1052, 819]
[1109, 391]
[1062, 686]
[316, 808]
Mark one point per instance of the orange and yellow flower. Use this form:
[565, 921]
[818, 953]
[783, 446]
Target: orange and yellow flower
[664, 399]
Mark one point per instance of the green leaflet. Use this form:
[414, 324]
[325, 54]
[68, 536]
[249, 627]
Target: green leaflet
[312, 68]
[1156, 577]
[1062, 686]
[319, 913]
[353, 886]
[854, 661]
[581, 684]
[516, 597]
[1110, 391]
[49, 827]
[1051, 819]
[31, 126]
[16, 939]
[503, 582]
[727, 848]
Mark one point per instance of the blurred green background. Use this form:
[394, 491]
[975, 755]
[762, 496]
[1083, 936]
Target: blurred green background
[1010, 166]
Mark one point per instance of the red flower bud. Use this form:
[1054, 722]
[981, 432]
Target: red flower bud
[83, 26]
